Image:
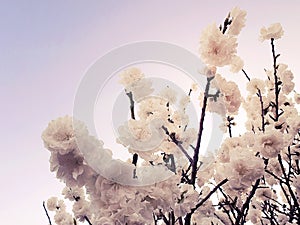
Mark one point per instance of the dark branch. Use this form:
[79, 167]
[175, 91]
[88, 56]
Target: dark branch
[47, 213]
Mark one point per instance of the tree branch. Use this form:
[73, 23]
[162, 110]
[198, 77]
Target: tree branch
[47, 213]
[201, 127]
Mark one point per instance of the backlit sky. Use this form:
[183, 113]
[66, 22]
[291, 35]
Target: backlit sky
[46, 46]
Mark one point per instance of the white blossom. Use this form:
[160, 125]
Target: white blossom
[238, 21]
[60, 134]
[236, 64]
[209, 71]
[140, 89]
[270, 143]
[230, 94]
[63, 218]
[242, 169]
[274, 31]
[130, 76]
[73, 193]
[216, 48]
[169, 94]
[256, 84]
[52, 203]
[81, 209]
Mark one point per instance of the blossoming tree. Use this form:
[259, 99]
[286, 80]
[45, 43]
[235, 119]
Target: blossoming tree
[254, 177]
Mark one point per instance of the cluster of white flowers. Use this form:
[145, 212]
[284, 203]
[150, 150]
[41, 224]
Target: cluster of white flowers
[253, 177]
[274, 31]
[218, 47]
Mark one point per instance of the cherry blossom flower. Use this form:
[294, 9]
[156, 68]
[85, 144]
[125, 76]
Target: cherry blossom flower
[274, 31]
[256, 84]
[63, 218]
[230, 94]
[52, 203]
[73, 193]
[169, 94]
[236, 64]
[60, 136]
[297, 98]
[130, 76]
[81, 209]
[270, 144]
[216, 48]
[238, 21]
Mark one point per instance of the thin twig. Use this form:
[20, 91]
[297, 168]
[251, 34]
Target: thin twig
[87, 220]
[276, 89]
[47, 213]
[242, 216]
[248, 78]
[189, 215]
[130, 96]
[289, 186]
[201, 127]
[178, 143]
[262, 111]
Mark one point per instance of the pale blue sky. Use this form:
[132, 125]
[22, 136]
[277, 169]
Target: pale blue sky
[46, 46]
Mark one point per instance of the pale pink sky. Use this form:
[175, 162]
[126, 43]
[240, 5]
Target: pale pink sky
[46, 46]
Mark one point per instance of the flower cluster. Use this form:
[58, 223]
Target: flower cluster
[254, 176]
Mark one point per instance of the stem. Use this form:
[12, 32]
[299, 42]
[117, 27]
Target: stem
[242, 215]
[275, 80]
[287, 183]
[85, 217]
[87, 220]
[229, 119]
[178, 144]
[130, 96]
[262, 111]
[197, 148]
[189, 215]
[248, 78]
[47, 213]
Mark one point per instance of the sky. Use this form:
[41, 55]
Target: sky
[47, 46]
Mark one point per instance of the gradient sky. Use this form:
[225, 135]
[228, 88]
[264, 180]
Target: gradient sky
[46, 46]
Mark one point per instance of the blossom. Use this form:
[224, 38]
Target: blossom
[270, 143]
[169, 94]
[81, 209]
[274, 31]
[130, 76]
[52, 203]
[70, 168]
[297, 98]
[230, 94]
[61, 134]
[187, 200]
[246, 168]
[238, 21]
[153, 107]
[194, 87]
[286, 77]
[184, 101]
[140, 89]
[209, 71]
[63, 218]
[241, 168]
[264, 193]
[254, 85]
[254, 215]
[141, 135]
[216, 48]
[73, 193]
[236, 64]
